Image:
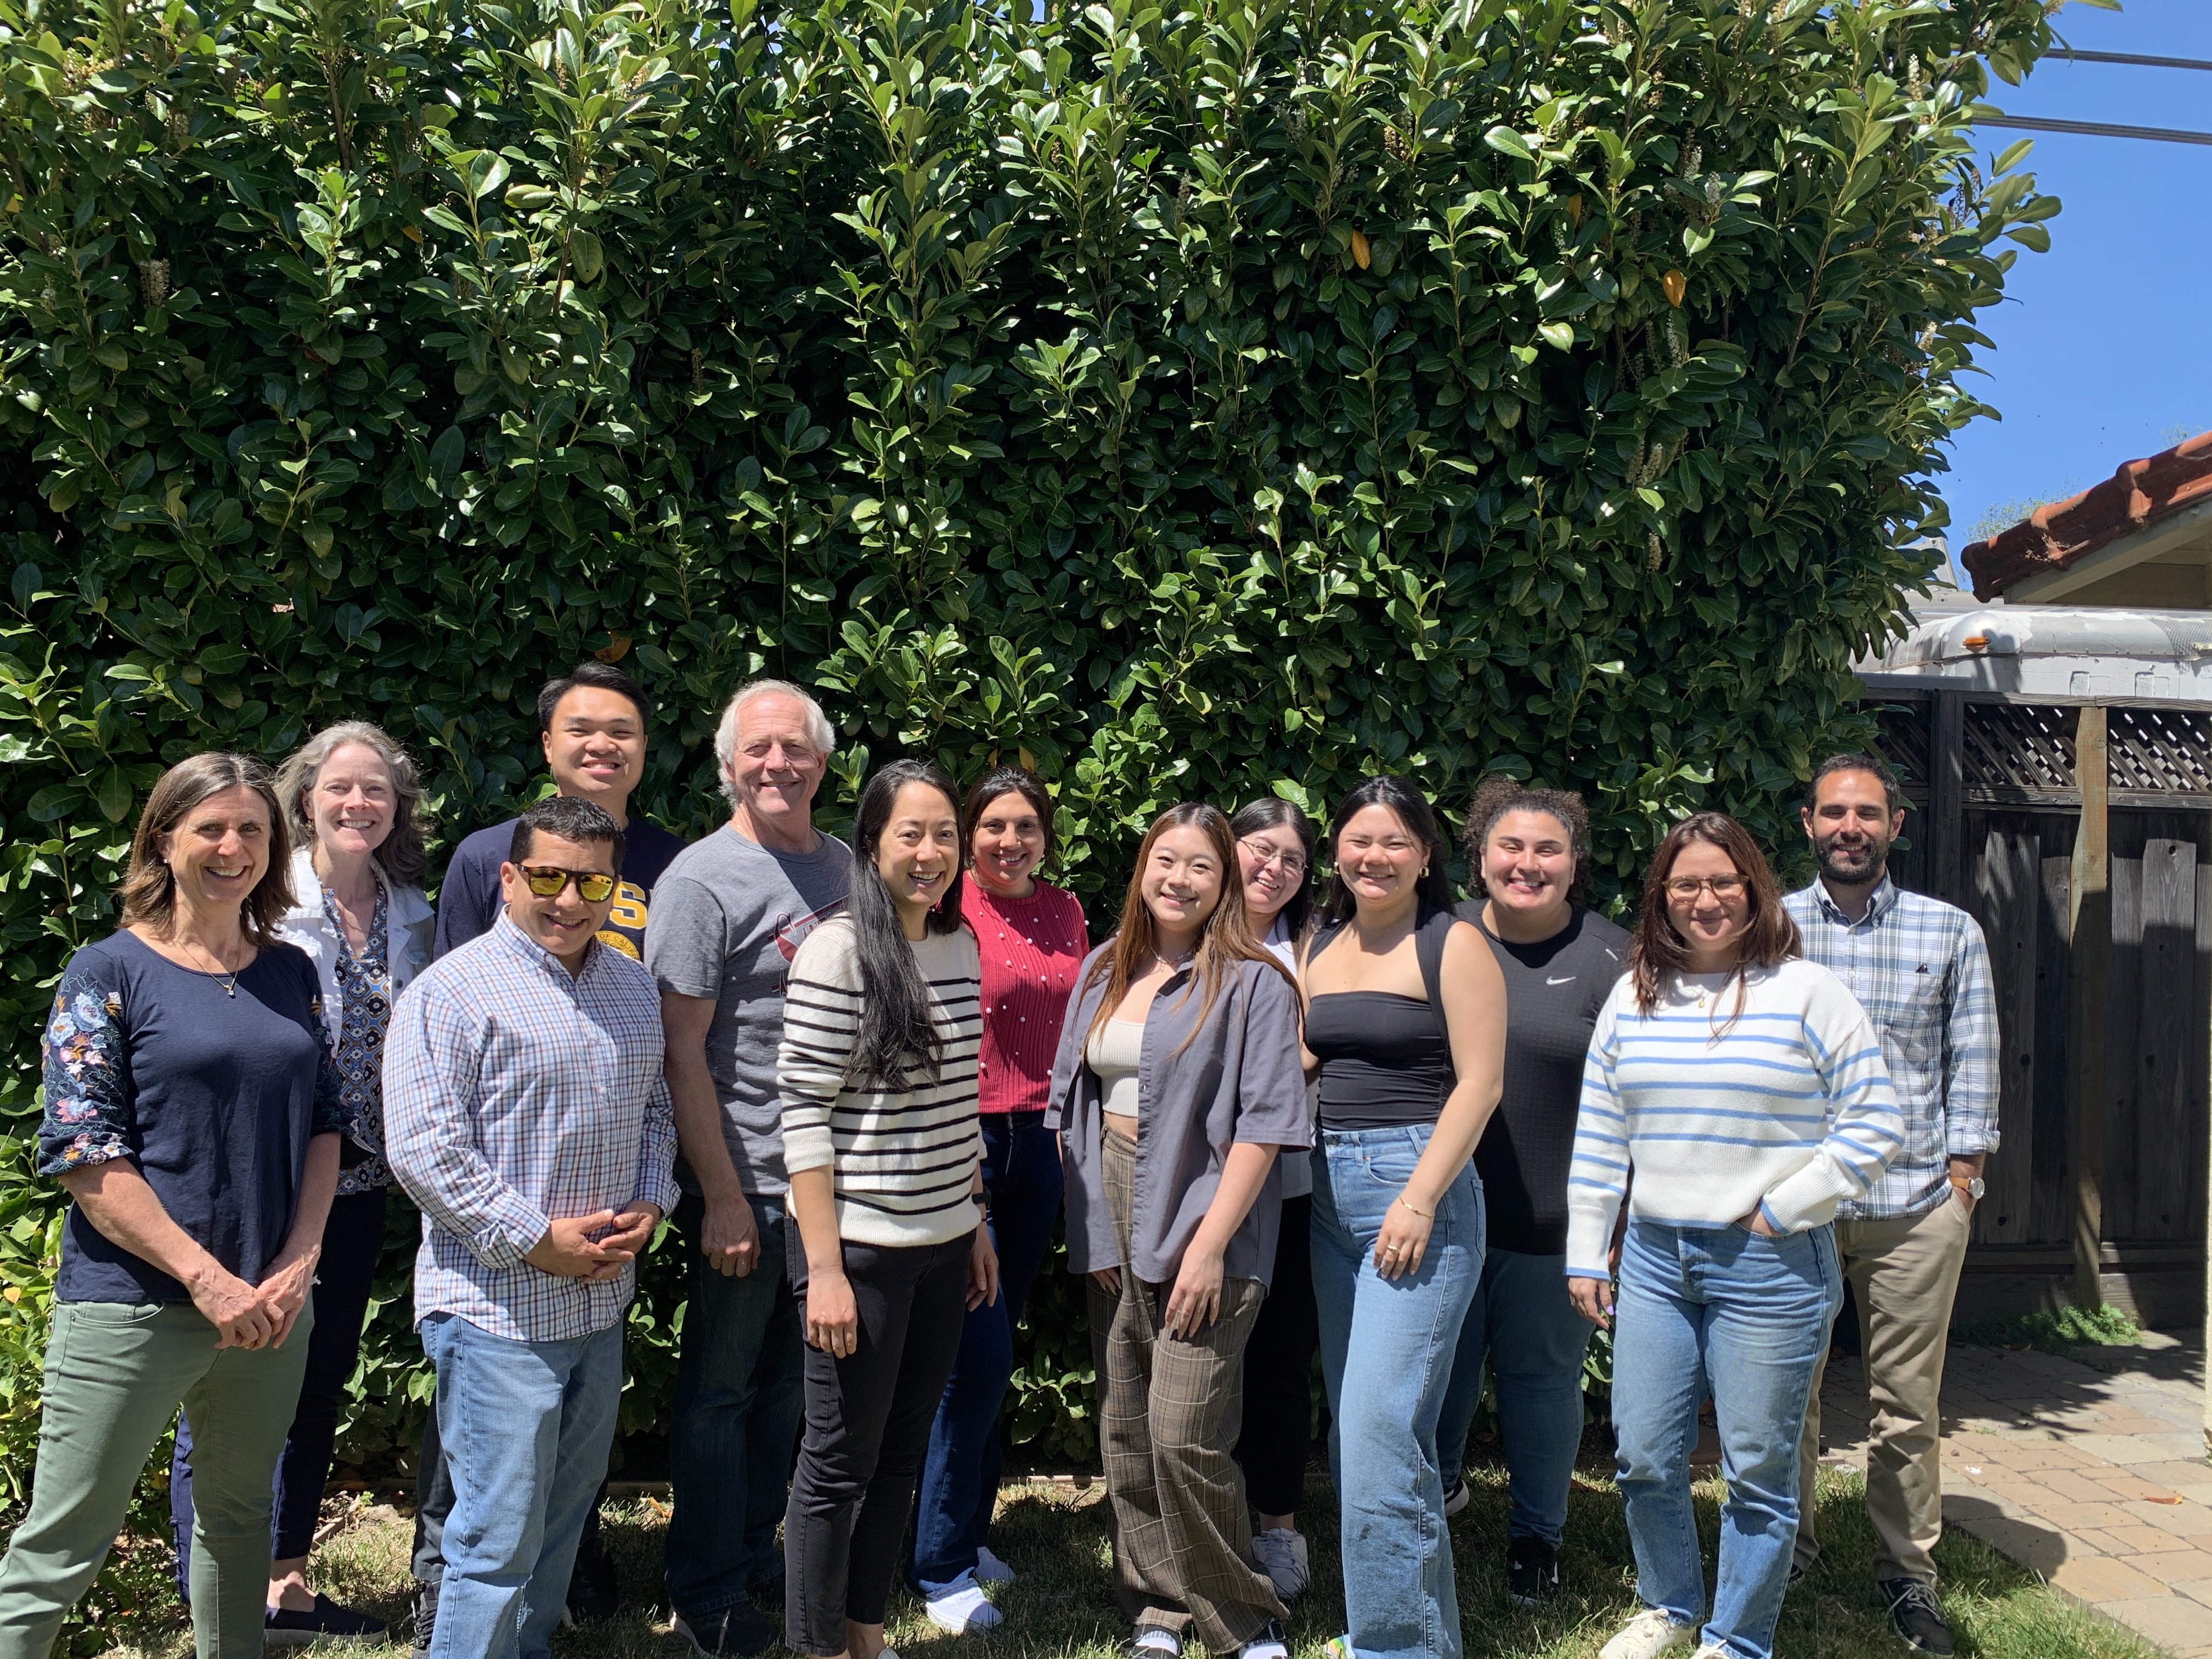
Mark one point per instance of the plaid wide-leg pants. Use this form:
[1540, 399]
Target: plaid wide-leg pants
[1171, 1411]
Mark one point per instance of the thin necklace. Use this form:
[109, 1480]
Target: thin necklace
[229, 985]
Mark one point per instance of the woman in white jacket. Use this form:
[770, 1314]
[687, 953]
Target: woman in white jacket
[350, 795]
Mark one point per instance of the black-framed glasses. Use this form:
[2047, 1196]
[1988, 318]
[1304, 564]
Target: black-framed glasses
[546, 880]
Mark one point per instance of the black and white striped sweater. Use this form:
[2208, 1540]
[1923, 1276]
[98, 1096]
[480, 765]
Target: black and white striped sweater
[904, 1162]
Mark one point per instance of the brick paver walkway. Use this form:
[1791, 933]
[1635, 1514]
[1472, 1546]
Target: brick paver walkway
[2096, 1480]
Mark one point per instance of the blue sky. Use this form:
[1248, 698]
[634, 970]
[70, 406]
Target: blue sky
[2103, 344]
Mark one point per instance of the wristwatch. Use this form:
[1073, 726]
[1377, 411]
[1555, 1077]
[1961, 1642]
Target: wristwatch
[1974, 1187]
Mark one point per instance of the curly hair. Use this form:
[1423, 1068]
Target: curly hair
[1497, 795]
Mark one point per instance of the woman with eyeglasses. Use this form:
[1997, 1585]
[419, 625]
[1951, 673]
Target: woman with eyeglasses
[1274, 857]
[350, 797]
[1176, 1085]
[1030, 939]
[1405, 1016]
[886, 1238]
[1746, 1087]
[193, 1114]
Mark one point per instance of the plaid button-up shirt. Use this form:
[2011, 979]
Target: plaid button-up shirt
[1920, 969]
[514, 1094]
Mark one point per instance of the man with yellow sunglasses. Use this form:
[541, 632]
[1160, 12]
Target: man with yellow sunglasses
[527, 1116]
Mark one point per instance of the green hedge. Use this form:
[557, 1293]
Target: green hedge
[1194, 400]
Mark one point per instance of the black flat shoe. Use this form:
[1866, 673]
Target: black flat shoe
[1531, 1572]
[732, 1632]
[327, 1622]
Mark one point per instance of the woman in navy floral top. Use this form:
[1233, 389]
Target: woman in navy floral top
[193, 1111]
[350, 795]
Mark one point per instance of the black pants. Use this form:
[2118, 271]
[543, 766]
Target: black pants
[352, 1239]
[868, 1425]
[1278, 1435]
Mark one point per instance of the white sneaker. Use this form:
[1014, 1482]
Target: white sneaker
[961, 1607]
[1455, 1496]
[1282, 1553]
[1269, 1643]
[1647, 1636]
[989, 1569]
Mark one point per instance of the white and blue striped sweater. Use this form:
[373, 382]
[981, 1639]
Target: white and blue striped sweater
[1790, 1109]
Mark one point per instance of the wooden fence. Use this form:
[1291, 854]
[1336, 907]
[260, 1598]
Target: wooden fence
[2094, 884]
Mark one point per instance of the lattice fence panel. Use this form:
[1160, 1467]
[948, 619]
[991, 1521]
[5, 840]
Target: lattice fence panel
[2017, 746]
[1905, 734]
[2167, 749]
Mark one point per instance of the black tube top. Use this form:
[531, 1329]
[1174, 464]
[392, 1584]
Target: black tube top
[1385, 1060]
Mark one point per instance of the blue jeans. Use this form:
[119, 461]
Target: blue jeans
[960, 1473]
[527, 1427]
[1385, 1352]
[1718, 1311]
[1524, 1323]
[733, 1422]
[352, 1240]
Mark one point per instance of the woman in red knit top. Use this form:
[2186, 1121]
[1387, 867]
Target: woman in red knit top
[1031, 938]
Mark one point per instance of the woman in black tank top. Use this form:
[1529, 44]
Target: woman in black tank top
[1405, 1018]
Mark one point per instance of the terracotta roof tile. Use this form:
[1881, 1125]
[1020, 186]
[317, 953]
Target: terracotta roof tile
[2053, 538]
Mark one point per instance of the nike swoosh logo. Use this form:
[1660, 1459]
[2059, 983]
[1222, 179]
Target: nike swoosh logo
[1569, 980]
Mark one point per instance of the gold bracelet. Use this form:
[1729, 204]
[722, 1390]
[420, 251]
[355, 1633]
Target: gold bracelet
[1425, 1215]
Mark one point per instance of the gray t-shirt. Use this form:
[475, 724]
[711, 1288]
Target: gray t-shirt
[728, 915]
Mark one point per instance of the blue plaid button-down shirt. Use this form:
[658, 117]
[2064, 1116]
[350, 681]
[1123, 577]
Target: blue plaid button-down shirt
[514, 1094]
[1920, 970]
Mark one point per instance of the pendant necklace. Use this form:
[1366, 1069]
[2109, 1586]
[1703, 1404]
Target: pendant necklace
[217, 971]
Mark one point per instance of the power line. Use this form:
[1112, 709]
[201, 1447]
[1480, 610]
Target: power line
[2093, 129]
[2073, 57]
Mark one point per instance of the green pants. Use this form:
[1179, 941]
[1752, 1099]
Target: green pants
[116, 1373]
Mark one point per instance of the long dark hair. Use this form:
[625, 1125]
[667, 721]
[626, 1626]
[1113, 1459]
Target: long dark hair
[1224, 940]
[896, 1030]
[1656, 952]
[1272, 812]
[1497, 795]
[1413, 811]
[148, 892]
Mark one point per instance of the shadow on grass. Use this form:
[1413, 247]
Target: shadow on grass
[1063, 1605]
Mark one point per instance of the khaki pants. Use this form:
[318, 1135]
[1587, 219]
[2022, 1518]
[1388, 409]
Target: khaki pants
[1169, 1417]
[1903, 1274]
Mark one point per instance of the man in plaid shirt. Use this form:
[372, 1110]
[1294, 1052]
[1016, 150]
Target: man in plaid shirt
[526, 1114]
[1920, 970]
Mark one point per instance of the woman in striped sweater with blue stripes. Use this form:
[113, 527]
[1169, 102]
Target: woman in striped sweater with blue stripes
[1744, 1088]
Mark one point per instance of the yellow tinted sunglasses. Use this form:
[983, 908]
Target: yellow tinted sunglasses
[592, 886]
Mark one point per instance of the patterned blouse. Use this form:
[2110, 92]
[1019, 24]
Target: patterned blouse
[365, 1001]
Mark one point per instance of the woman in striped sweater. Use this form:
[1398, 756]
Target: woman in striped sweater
[1745, 1087]
[877, 1075]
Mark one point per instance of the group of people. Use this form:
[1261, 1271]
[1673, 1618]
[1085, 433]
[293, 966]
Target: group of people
[1425, 1138]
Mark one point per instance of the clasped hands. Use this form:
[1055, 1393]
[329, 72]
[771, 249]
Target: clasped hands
[595, 1246]
[254, 1315]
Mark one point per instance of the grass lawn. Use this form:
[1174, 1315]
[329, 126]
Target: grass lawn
[1056, 1538]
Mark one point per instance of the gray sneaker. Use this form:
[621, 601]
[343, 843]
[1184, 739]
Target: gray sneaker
[1282, 1554]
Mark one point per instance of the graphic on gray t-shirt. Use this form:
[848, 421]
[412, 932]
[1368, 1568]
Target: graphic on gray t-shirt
[728, 915]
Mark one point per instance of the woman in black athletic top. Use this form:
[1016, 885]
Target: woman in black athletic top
[1405, 1018]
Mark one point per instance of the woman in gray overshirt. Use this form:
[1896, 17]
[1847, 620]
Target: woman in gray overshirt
[1176, 1082]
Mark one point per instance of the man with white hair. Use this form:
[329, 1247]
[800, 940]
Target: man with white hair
[728, 915]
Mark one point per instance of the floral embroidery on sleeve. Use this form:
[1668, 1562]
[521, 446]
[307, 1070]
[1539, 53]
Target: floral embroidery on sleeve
[89, 1117]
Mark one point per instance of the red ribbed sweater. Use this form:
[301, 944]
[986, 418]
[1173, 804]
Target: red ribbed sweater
[1030, 950]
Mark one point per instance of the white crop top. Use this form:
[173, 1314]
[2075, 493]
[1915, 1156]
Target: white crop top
[1113, 1055]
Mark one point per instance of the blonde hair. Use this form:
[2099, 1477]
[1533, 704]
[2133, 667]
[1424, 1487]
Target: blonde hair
[400, 853]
